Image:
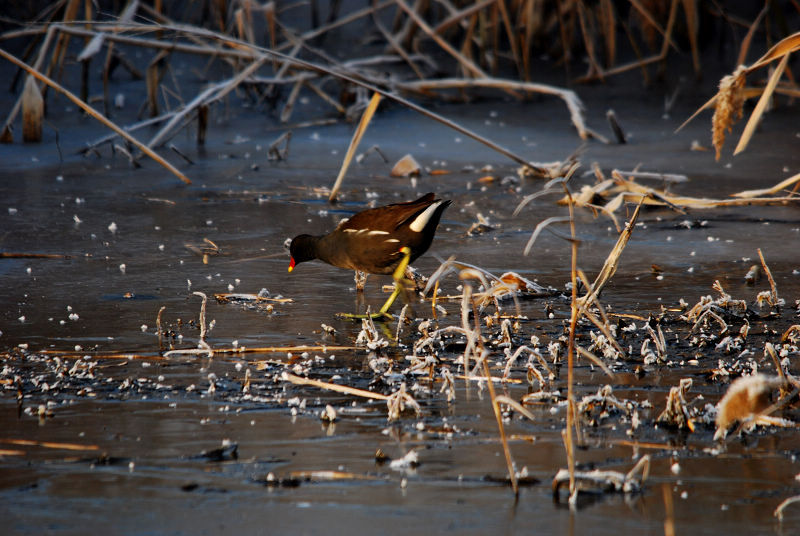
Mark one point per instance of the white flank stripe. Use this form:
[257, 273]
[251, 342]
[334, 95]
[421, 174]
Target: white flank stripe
[422, 220]
[391, 240]
[375, 233]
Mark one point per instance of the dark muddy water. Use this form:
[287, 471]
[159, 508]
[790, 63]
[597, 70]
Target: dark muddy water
[95, 441]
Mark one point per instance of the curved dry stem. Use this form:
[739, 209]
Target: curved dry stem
[539, 228]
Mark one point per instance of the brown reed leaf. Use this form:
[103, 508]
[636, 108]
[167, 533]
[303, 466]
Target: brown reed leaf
[749, 37]
[761, 106]
[727, 107]
[785, 46]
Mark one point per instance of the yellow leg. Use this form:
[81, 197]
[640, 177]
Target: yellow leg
[398, 274]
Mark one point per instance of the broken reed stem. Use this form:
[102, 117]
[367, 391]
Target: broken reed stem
[91, 111]
[769, 349]
[202, 319]
[158, 328]
[6, 136]
[781, 507]
[773, 289]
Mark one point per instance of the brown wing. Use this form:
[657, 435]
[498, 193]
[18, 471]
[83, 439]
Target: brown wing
[389, 217]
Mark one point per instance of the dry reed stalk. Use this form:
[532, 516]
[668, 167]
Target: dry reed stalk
[494, 379]
[744, 49]
[645, 13]
[594, 359]
[483, 358]
[611, 262]
[502, 399]
[572, 421]
[111, 34]
[19, 255]
[57, 58]
[341, 21]
[466, 46]
[457, 16]
[366, 117]
[153, 76]
[630, 191]
[608, 23]
[539, 228]
[669, 510]
[48, 444]
[395, 45]
[91, 111]
[297, 380]
[570, 98]
[284, 349]
[330, 476]
[748, 194]
[588, 40]
[603, 325]
[501, 5]
[469, 333]
[642, 62]
[785, 46]
[692, 29]
[468, 65]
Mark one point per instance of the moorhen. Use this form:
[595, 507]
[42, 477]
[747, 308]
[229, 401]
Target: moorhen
[382, 240]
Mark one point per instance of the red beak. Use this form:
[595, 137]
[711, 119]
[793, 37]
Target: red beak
[291, 264]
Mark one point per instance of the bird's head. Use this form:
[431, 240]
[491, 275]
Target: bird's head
[301, 249]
